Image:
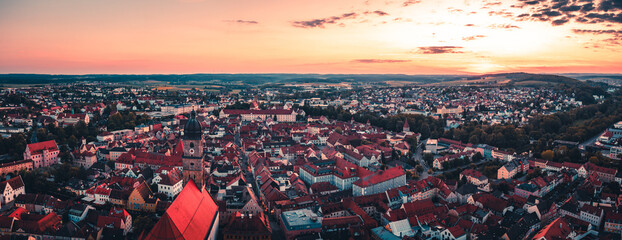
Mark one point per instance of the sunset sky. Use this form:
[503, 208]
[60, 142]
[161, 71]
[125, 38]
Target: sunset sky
[310, 36]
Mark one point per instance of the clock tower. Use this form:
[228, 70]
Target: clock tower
[192, 158]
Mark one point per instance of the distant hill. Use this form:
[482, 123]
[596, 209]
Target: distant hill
[244, 80]
[519, 79]
[534, 80]
[611, 79]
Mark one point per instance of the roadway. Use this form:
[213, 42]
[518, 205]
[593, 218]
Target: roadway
[277, 232]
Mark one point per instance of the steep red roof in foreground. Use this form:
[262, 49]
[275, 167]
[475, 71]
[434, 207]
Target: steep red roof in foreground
[558, 229]
[191, 216]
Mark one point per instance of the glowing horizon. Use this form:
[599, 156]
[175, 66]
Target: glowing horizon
[321, 36]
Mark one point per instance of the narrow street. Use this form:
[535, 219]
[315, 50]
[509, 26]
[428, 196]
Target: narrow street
[277, 232]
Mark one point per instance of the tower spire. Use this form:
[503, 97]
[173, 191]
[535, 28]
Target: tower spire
[192, 157]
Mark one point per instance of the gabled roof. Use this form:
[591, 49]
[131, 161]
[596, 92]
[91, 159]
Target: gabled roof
[39, 224]
[15, 183]
[118, 212]
[106, 221]
[419, 207]
[169, 179]
[190, 216]
[558, 229]
[143, 190]
[380, 176]
[179, 149]
[456, 231]
[248, 225]
[37, 148]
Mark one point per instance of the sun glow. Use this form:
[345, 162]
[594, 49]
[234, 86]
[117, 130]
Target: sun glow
[189, 36]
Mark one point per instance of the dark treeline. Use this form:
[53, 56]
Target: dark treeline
[577, 125]
[66, 137]
[69, 137]
[502, 136]
[126, 120]
[14, 145]
[427, 126]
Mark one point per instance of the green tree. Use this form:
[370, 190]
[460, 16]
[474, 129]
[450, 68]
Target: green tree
[428, 158]
[142, 223]
[477, 157]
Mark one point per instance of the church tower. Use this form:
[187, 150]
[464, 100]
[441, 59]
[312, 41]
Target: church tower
[192, 157]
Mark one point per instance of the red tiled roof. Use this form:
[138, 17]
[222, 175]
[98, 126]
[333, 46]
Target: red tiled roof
[15, 183]
[169, 179]
[118, 212]
[456, 231]
[36, 148]
[179, 149]
[445, 140]
[422, 219]
[115, 222]
[17, 213]
[102, 191]
[591, 210]
[558, 229]
[472, 173]
[158, 159]
[69, 115]
[191, 216]
[575, 166]
[395, 215]
[256, 225]
[319, 187]
[328, 223]
[420, 207]
[593, 167]
[555, 164]
[380, 176]
[368, 221]
[40, 224]
[491, 202]
[257, 112]
[613, 217]
[6, 222]
[143, 190]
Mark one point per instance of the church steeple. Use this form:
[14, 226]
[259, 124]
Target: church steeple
[192, 146]
[193, 129]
